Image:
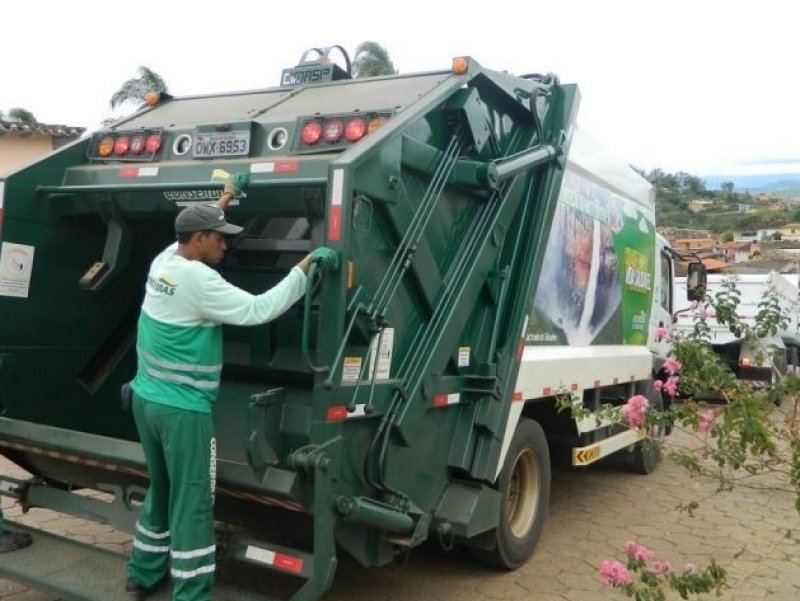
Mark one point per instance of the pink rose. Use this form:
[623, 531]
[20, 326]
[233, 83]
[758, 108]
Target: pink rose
[672, 365]
[706, 420]
[634, 410]
[643, 554]
[671, 385]
[662, 567]
[613, 573]
[661, 333]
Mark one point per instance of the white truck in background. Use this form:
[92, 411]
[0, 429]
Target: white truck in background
[761, 361]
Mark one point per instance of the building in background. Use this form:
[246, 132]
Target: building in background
[23, 143]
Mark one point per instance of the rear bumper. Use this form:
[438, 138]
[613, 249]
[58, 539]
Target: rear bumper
[755, 374]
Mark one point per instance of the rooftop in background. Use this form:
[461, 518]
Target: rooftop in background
[784, 265]
[26, 129]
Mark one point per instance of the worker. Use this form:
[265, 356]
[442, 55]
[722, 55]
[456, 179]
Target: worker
[179, 348]
[11, 540]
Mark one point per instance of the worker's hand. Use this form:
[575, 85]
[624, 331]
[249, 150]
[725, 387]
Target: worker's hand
[326, 258]
[237, 182]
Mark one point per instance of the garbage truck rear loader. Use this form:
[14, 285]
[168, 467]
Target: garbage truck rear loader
[764, 357]
[491, 258]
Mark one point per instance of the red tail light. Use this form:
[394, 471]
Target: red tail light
[121, 145]
[153, 143]
[132, 146]
[326, 133]
[312, 132]
[356, 129]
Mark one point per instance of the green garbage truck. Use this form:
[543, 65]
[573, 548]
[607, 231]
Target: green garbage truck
[492, 257]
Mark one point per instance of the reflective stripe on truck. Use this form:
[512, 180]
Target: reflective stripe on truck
[604, 448]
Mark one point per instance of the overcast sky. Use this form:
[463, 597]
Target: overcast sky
[704, 86]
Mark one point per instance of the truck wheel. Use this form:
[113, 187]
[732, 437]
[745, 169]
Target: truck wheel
[646, 454]
[775, 390]
[525, 486]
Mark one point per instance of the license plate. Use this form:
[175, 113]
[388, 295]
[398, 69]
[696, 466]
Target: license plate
[221, 144]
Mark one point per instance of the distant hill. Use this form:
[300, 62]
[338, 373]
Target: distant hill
[783, 184]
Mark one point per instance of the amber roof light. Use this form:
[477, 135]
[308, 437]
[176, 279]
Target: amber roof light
[460, 65]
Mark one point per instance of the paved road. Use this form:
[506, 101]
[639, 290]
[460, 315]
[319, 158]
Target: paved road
[592, 512]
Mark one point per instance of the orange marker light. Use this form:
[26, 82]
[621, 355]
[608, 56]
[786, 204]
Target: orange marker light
[106, 146]
[152, 98]
[376, 123]
[460, 65]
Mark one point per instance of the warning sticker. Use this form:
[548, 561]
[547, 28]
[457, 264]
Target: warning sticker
[463, 356]
[586, 455]
[351, 369]
[16, 265]
[382, 356]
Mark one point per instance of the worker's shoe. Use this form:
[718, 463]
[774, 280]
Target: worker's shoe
[135, 591]
[11, 541]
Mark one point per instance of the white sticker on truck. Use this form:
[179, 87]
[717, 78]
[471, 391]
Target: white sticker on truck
[16, 266]
[382, 356]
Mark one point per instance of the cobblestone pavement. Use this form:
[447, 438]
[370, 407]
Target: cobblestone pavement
[754, 533]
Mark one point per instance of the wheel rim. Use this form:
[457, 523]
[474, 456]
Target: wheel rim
[524, 490]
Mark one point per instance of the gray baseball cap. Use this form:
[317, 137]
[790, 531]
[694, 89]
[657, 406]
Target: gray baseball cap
[196, 218]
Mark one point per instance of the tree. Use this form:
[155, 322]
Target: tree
[21, 115]
[371, 60]
[726, 236]
[134, 89]
[727, 187]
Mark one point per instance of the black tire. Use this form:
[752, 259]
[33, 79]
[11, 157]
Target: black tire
[646, 454]
[775, 388]
[524, 483]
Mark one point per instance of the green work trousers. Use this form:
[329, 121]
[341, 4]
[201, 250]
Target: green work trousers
[176, 521]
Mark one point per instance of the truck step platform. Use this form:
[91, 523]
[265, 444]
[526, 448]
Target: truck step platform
[77, 571]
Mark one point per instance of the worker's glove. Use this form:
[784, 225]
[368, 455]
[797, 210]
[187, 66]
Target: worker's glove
[326, 258]
[237, 182]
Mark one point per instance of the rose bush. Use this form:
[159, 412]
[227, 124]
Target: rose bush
[740, 432]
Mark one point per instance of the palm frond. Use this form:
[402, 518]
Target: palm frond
[372, 60]
[133, 90]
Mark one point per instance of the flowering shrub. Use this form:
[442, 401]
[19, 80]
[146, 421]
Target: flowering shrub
[743, 434]
[644, 577]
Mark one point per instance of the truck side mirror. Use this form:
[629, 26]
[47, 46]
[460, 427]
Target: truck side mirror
[696, 282]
